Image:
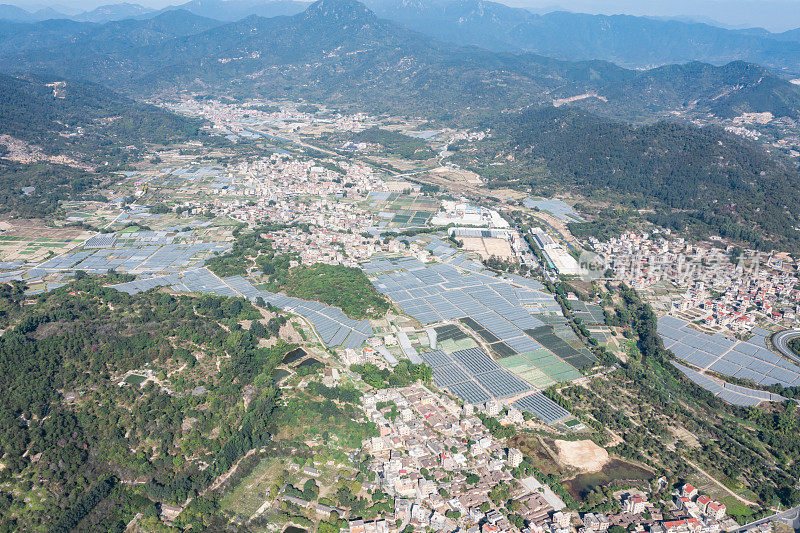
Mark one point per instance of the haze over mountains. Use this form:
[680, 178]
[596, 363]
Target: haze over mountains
[633, 42]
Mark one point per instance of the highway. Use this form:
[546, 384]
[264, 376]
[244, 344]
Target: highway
[790, 517]
[781, 342]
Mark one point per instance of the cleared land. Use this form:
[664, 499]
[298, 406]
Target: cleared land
[584, 455]
[252, 492]
[488, 247]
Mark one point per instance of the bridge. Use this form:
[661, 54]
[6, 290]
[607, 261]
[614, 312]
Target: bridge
[790, 517]
[781, 342]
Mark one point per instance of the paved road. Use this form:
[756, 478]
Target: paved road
[781, 342]
[790, 517]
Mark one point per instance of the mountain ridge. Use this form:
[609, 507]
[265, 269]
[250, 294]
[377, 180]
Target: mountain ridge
[627, 40]
[341, 51]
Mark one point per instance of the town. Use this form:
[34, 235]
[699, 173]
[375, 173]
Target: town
[469, 293]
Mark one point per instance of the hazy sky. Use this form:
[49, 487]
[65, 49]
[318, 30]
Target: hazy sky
[774, 15]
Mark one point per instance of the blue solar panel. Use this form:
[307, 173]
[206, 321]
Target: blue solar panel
[543, 407]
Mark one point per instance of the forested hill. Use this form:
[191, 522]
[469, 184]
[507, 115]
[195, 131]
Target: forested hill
[85, 122]
[340, 52]
[705, 174]
[726, 91]
[72, 435]
[55, 133]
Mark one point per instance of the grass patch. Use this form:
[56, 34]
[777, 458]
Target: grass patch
[736, 508]
[135, 379]
[246, 498]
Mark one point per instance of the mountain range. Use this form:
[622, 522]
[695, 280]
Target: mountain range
[223, 10]
[58, 138]
[342, 52]
[629, 41]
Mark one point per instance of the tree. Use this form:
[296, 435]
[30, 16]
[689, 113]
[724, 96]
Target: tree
[310, 490]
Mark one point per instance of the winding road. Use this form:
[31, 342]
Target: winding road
[781, 342]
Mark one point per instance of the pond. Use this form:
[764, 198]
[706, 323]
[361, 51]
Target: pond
[309, 362]
[294, 355]
[294, 529]
[280, 374]
[614, 470]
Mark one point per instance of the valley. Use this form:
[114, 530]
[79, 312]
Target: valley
[312, 268]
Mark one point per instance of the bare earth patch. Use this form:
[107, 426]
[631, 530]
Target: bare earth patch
[584, 455]
[488, 247]
[23, 152]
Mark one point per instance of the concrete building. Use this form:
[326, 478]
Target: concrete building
[514, 457]
[634, 505]
[557, 256]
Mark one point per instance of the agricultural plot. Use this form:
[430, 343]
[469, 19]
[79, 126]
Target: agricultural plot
[588, 313]
[543, 407]
[410, 219]
[403, 211]
[742, 359]
[473, 376]
[249, 495]
[451, 345]
[579, 358]
[31, 249]
[502, 349]
[449, 332]
[492, 306]
[541, 368]
[525, 369]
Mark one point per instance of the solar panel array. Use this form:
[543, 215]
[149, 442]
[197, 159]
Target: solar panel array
[408, 350]
[333, 326]
[588, 313]
[440, 248]
[387, 355]
[140, 259]
[10, 265]
[102, 240]
[543, 407]
[728, 392]
[379, 264]
[63, 262]
[200, 280]
[556, 207]
[731, 357]
[141, 238]
[443, 292]
[473, 376]
[9, 276]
